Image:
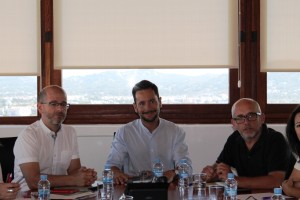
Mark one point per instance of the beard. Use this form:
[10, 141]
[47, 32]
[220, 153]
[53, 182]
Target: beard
[57, 118]
[149, 120]
[249, 136]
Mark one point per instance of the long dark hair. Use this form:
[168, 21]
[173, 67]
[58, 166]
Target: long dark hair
[291, 133]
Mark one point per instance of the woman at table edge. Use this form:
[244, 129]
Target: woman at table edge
[8, 190]
[291, 186]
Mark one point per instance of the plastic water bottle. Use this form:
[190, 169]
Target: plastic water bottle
[157, 169]
[44, 188]
[108, 185]
[277, 194]
[231, 187]
[184, 174]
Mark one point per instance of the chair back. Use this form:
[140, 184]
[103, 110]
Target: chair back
[7, 157]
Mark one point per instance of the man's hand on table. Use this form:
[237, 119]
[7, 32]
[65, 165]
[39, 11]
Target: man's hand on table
[120, 178]
[222, 170]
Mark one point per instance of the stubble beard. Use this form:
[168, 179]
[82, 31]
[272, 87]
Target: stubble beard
[151, 119]
[249, 136]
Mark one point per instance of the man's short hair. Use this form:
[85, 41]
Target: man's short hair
[142, 85]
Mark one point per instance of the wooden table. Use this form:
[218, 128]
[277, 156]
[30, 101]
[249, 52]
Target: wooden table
[173, 192]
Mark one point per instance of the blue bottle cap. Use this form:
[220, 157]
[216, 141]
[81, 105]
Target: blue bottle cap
[43, 177]
[230, 175]
[277, 190]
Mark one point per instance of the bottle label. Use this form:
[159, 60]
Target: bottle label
[107, 180]
[184, 175]
[107, 177]
[158, 173]
[44, 193]
[231, 192]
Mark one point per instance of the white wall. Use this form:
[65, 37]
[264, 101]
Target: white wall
[205, 141]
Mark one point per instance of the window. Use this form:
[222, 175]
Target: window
[283, 87]
[201, 111]
[254, 83]
[278, 59]
[18, 96]
[20, 56]
[147, 35]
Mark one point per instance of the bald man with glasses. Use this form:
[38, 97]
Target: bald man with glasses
[258, 155]
[50, 147]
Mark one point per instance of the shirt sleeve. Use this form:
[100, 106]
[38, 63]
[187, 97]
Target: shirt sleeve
[118, 150]
[181, 148]
[25, 149]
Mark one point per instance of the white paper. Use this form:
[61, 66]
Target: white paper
[258, 196]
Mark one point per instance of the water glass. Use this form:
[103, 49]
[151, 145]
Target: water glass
[216, 192]
[199, 193]
[199, 181]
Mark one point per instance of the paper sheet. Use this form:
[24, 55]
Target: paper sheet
[258, 196]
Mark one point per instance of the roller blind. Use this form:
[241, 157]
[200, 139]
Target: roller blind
[20, 37]
[145, 34]
[280, 31]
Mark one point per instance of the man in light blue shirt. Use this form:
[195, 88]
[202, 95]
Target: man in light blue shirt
[139, 143]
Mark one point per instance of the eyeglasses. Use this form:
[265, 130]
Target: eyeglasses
[250, 117]
[64, 105]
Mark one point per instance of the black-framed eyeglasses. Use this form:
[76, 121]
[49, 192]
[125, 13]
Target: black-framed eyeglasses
[252, 116]
[54, 104]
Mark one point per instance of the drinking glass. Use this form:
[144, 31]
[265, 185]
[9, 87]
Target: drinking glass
[216, 192]
[199, 180]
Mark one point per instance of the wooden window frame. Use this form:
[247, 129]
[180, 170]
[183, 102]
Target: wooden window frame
[253, 83]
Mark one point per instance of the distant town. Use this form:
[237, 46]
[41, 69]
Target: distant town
[18, 94]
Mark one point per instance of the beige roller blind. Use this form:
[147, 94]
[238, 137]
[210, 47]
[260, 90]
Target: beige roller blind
[280, 35]
[20, 37]
[145, 33]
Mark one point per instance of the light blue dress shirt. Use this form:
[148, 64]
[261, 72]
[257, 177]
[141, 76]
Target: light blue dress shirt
[135, 148]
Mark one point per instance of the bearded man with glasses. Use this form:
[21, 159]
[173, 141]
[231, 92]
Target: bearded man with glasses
[258, 155]
[49, 147]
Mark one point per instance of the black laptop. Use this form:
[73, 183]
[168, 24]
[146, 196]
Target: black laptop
[147, 191]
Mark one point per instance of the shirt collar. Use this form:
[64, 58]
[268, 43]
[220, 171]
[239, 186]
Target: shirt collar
[155, 130]
[47, 130]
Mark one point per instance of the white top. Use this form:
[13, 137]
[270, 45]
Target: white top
[297, 164]
[135, 148]
[36, 144]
